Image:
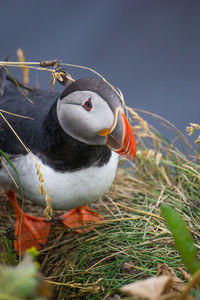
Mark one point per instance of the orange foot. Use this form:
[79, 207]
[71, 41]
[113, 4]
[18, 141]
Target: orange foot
[30, 231]
[78, 217]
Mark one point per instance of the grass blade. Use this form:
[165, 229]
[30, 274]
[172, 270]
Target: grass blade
[182, 237]
[11, 165]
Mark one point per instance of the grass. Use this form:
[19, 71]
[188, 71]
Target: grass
[133, 240]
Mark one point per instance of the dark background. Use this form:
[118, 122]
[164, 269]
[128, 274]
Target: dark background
[150, 49]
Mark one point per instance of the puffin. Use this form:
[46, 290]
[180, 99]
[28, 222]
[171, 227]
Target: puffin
[75, 137]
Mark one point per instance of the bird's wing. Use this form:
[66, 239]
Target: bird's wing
[29, 130]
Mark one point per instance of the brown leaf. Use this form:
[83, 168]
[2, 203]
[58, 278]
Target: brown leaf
[177, 284]
[151, 288]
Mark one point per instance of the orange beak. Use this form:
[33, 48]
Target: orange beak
[120, 136]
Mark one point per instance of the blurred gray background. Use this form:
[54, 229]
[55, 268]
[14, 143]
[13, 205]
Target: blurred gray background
[150, 49]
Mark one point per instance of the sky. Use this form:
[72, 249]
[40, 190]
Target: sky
[150, 49]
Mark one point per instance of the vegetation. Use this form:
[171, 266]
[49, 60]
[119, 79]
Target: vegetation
[134, 241]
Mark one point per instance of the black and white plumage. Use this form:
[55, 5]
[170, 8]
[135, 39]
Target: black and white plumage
[72, 136]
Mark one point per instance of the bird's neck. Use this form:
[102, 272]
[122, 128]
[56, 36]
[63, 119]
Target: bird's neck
[65, 153]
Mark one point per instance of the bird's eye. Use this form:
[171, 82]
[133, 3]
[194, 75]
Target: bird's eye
[88, 104]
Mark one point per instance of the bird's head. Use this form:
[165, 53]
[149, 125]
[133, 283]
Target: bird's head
[90, 111]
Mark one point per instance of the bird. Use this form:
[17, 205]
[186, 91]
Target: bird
[76, 137]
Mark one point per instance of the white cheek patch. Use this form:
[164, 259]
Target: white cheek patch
[82, 124]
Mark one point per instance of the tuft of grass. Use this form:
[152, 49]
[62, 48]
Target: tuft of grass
[134, 238]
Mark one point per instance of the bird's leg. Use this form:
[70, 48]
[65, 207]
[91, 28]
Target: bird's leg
[30, 231]
[79, 217]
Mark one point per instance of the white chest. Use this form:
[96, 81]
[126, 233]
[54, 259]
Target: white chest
[67, 190]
